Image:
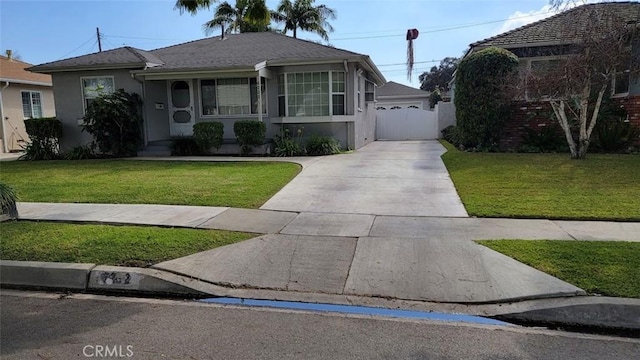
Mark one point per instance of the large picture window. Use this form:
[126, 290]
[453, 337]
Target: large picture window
[92, 87]
[311, 94]
[233, 96]
[31, 104]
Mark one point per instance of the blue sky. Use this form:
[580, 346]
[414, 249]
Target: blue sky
[49, 30]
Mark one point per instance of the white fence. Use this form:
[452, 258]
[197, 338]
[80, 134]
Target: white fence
[414, 124]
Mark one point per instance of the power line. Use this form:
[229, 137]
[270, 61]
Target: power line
[415, 62]
[74, 50]
[445, 29]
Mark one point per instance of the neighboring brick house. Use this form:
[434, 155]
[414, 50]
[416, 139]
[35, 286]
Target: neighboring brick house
[23, 95]
[539, 43]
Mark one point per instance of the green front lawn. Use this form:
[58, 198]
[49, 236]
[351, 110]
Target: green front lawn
[603, 187]
[238, 184]
[600, 267]
[106, 244]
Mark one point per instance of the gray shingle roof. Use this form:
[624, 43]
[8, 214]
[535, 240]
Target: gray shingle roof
[562, 28]
[126, 57]
[245, 50]
[394, 89]
[235, 51]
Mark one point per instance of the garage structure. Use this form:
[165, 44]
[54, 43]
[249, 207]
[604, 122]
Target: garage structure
[402, 113]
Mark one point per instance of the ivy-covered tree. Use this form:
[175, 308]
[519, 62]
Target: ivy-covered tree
[481, 99]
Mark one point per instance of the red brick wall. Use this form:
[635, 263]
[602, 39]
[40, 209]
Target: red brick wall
[538, 114]
[525, 114]
[632, 105]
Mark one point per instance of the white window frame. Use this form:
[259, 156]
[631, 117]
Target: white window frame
[527, 67]
[359, 93]
[331, 92]
[84, 97]
[369, 92]
[614, 94]
[31, 92]
[265, 102]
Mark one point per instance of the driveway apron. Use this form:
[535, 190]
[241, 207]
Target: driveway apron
[395, 178]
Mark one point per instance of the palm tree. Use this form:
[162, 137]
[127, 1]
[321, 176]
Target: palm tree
[192, 6]
[303, 15]
[245, 16]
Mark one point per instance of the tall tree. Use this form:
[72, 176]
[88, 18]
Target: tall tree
[439, 76]
[576, 84]
[303, 15]
[245, 16]
[192, 6]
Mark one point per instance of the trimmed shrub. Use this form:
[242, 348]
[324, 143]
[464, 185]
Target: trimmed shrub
[208, 135]
[613, 133]
[115, 122]
[322, 145]
[452, 134]
[8, 198]
[184, 146]
[249, 133]
[481, 100]
[81, 152]
[545, 139]
[45, 134]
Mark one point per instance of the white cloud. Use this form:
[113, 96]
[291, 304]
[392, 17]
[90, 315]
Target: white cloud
[520, 18]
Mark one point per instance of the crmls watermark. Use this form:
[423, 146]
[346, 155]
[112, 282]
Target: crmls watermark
[107, 351]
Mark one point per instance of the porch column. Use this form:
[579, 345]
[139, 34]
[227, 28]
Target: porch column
[259, 84]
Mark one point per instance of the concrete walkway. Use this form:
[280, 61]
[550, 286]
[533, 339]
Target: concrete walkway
[413, 258]
[395, 178]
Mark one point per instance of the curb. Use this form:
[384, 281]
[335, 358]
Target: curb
[93, 278]
[592, 312]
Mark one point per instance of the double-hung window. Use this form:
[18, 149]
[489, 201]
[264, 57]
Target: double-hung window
[31, 104]
[319, 93]
[369, 91]
[93, 87]
[232, 96]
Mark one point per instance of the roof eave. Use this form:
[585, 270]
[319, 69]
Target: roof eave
[25, 82]
[56, 69]
[392, 97]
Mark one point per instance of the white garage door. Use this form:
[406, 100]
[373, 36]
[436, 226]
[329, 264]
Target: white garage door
[406, 124]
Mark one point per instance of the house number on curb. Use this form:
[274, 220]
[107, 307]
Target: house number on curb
[114, 278]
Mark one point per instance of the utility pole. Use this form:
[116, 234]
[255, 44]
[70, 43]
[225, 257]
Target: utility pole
[99, 41]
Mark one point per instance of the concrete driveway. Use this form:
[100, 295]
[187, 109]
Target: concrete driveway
[396, 178]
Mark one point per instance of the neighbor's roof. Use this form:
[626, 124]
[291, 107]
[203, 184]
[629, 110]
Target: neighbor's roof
[240, 51]
[124, 57]
[394, 89]
[560, 28]
[14, 71]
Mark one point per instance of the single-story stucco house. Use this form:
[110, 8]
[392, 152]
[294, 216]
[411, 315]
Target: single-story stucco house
[266, 76]
[23, 95]
[393, 95]
[543, 42]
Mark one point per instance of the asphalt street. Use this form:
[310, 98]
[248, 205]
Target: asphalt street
[50, 326]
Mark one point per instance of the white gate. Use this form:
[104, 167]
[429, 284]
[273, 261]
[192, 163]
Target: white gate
[406, 124]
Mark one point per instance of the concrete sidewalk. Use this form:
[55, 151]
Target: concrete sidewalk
[410, 258]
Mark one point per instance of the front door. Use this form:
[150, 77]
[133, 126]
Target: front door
[181, 115]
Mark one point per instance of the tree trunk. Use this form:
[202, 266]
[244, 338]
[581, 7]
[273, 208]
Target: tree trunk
[295, 33]
[561, 115]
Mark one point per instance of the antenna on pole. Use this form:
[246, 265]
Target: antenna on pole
[99, 40]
